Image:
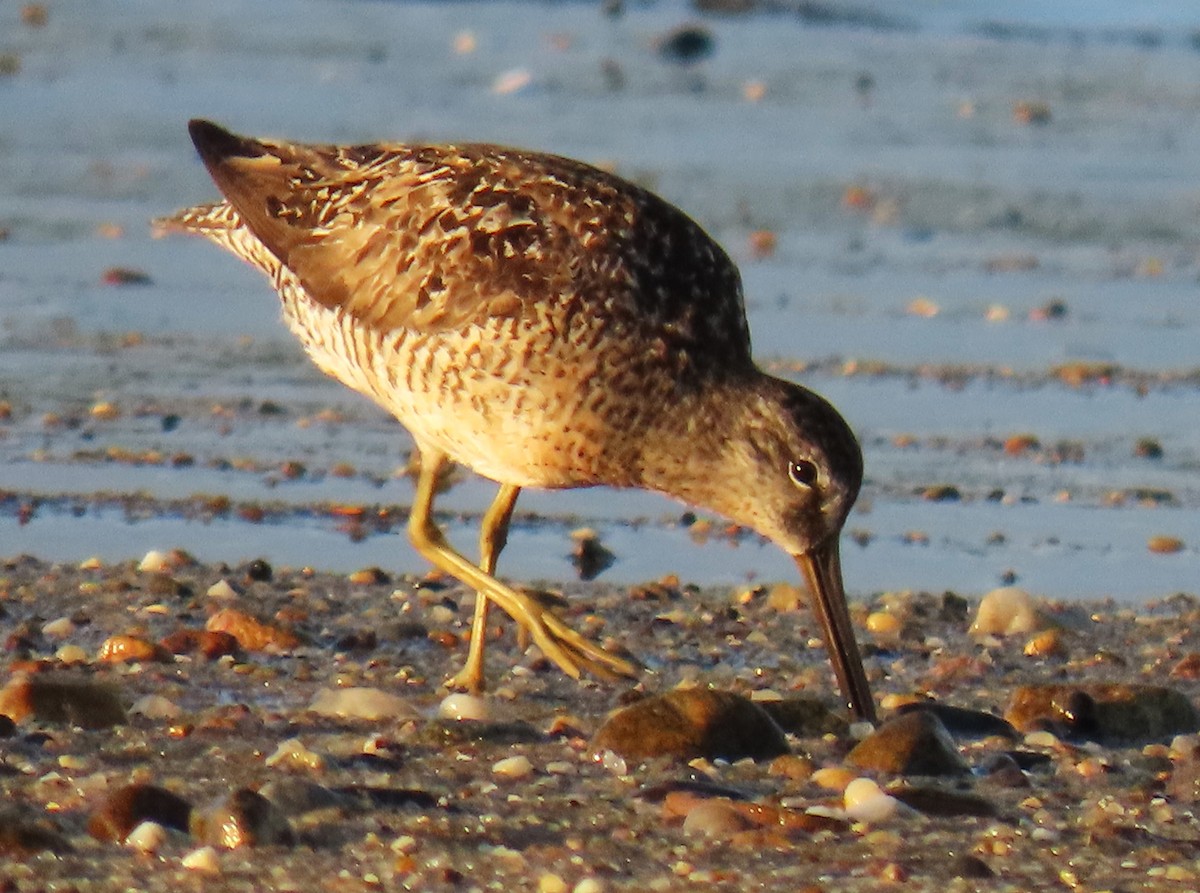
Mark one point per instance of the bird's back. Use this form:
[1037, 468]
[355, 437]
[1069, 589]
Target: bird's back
[499, 302]
[432, 238]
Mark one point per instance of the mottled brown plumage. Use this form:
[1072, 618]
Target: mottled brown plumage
[546, 324]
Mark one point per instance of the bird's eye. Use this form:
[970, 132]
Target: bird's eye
[802, 472]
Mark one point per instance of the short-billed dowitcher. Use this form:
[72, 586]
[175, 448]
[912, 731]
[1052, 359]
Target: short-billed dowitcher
[545, 324]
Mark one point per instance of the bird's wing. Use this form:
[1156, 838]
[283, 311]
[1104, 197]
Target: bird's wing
[439, 237]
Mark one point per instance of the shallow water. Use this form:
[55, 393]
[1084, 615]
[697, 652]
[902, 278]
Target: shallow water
[986, 219]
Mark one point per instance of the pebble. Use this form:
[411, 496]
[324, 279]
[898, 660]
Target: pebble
[132, 805]
[1104, 711]
[251, 633]
[1047, 643]
[941, 803]
[885, 628]
[147, 837]
[513, 767]
[156, 562]
[962, 722]
[833, 778]
[71, 654]
[244, 818]
[222, 589]
[715, 817]
[156, 707]
[61, 628]
[371, 704]
[690, 723]
[295, 795]
[909, 744]
[204, 859]
[132, 649]
[866, 802]
[49, 699]
[1006, 611]
[464, 707]
[1165, 545]
[211, 644]
[294, 754]
[805, 717]
[24, 832]
[1001, 770]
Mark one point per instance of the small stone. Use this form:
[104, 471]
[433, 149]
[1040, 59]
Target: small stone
[1047, 643]
[910, 744]
[590, 556]
[686, 44]
[203, 859]
[156, 707]
[222, 589]
[690, 723]
[90, 705]
[513, 767]
[244, 818]
[885, 628]
[147, 837]
[1165, 545]
[792, 766]
[464, 707]
[105, 411]
[715, 817]
[805, 717]
[155, 562]
[962, 722]
[1000, 770]
[551, 883]
[131, 649]
[251, 634]
[1005, 611]
[1104, 711]
[369, 576]
[71, 654]
[124, 276]
[833, 778]
[131, 805]
[296, 795]
[62, 628]
[23, 835]
[371, 704]
[211, 644]
[293, 754]
[866, 802]
[941, 803]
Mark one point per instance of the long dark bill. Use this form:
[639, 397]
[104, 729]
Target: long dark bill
[822, 569]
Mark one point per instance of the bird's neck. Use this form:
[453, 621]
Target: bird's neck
[685, 451]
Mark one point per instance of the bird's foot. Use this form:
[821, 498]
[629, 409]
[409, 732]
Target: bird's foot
[570, 651]
[573, 653]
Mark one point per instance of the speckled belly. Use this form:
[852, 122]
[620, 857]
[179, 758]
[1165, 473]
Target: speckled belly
[509, 399]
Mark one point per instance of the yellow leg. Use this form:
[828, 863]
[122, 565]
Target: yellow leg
[493, 535]
[561, 644]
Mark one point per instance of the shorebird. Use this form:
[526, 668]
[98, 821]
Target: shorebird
[545, 324]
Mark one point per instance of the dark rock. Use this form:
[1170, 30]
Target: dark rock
[1104, 711]
[244, 818]
[963, 723]
[690, 723]
[911, 744]
[133, 804]
[89, 705]
[805, 717]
